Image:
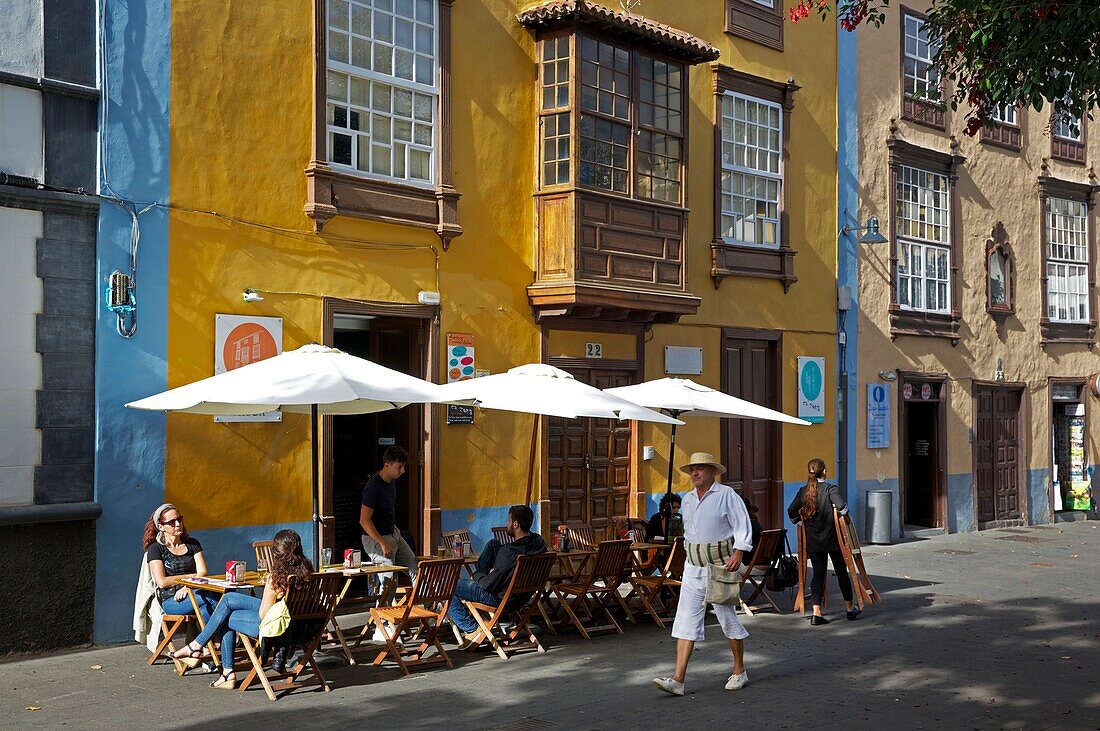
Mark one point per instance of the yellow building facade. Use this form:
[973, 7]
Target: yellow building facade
[582, 185]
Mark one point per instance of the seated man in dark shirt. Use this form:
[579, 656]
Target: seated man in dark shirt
[495, 567]
[382, 540]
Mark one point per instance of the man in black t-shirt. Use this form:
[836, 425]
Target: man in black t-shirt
[382, 540]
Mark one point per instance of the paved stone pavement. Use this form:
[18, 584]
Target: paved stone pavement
[997, 629]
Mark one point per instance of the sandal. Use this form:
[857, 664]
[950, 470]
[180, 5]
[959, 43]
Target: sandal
[187, 652]
[225, 681]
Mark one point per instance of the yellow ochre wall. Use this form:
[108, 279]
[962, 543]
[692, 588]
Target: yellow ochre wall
[241, 120]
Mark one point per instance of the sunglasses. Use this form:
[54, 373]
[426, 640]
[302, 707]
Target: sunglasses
[175, 522]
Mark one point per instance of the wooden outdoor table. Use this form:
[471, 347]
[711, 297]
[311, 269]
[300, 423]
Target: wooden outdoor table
[252, 580]
[644, 555]
[573, 561]
[354, 605]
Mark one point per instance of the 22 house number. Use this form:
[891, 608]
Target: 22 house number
[593, 350]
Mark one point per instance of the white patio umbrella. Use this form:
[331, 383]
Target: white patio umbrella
[537, 388]
[313, 379]
[681, 396]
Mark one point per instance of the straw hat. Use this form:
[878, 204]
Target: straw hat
[704, 458]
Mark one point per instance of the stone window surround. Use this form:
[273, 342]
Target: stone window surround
[1067, 332]
[998, 241]
[331, 192]
[915, 322]
[752, 261]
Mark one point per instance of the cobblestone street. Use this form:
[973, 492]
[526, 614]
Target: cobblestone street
[976, 630]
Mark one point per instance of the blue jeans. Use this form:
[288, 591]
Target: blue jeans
[236, 612]
[207, 601]
[469, 590]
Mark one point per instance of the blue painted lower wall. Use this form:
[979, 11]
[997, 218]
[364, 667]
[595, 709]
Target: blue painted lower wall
[1038, 497]
[235, 544]
[961, 513]
[481, 521]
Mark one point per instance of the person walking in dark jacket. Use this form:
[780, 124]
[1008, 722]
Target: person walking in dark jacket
[495, 567]
[813, 507]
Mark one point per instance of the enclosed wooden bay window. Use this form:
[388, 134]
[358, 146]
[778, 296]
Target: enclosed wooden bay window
[612, 134]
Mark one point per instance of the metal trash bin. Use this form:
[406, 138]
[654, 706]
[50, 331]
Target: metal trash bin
[880, 511]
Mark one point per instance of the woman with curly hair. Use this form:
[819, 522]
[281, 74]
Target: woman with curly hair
[172, 555]
[242, 613]
[813, 506]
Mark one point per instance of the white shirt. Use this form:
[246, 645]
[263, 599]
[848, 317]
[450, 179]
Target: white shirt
[720, 515]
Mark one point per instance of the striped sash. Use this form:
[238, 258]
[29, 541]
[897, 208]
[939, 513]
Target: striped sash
[707, 554]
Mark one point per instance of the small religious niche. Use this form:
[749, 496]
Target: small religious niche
[1000, 266]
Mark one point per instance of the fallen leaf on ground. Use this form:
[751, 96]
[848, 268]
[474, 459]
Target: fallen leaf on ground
[97, 667]
[1067, 657]
[1074, 555]
[34, 708]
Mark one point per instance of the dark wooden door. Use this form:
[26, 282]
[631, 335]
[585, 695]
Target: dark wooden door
[751, 446]
[589, 462]
[997, 453]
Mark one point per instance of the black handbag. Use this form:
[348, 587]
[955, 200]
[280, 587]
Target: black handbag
[783, 574]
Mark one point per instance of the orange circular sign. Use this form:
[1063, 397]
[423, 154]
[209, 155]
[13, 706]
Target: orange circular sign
[247, 343]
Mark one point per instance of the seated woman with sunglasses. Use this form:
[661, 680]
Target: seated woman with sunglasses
[172, 555]
[242, 612]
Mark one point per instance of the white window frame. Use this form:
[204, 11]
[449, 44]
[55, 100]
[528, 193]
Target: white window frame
[1067, 261]
[765, 175]
[395, 83]
[1005, 114]
[918, 248]
[924, 72]
[1062, 130]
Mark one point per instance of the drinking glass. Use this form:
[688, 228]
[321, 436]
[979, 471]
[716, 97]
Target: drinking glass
[326, 556]
[261, 567]
[441, 550]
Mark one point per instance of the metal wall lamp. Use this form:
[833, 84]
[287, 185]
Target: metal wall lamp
[873, 236]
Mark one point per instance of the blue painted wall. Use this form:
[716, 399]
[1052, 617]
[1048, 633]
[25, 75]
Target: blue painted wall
[481, 521]
[961, 511]
[857, 506]
[1038, 497]
[129, 472]
[847, 265]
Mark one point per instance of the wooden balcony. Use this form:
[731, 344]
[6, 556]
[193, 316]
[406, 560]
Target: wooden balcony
[603, 256]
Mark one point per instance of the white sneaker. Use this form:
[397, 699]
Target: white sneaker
[737, 682]
[669, 685]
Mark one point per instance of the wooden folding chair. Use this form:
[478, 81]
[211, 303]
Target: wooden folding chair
[502, 535]
[597, 590]
[311, 607]
[521, 598]
[865, 593]
[581, 536]
[170, 626]
[768, 548]
[263, 551]
[648, 589]
[423, 610]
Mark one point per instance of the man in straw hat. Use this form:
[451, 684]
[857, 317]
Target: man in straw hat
[716, 525]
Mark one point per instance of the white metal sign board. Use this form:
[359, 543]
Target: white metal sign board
[683, 361]
[240, 340]
[811, 389]
[878, 416]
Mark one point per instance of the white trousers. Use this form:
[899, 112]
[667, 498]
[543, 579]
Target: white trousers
[691, 613]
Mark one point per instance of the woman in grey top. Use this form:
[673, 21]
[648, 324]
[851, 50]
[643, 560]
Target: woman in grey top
[813, 507]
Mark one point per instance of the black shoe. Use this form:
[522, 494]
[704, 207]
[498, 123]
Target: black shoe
[853, 613]
[278, 663]
[816, 620]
